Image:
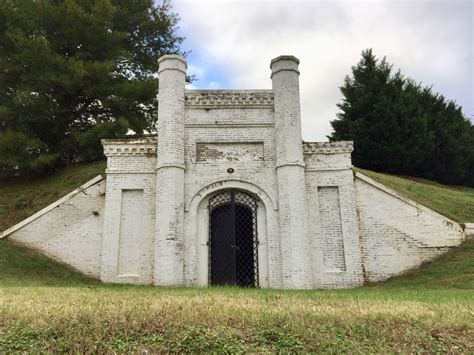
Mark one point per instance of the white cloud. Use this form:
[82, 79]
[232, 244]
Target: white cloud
[429, 41]
[214, 85]
[197, 70]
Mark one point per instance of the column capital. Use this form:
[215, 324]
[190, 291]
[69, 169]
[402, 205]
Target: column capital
[172, 62]
[284, 63]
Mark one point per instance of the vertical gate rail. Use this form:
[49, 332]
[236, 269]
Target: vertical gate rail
[233, 199]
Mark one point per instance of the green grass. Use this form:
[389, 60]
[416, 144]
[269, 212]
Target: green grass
[121, 319]
[453, 270]
[58, 310]
[47, 307]
[454, 202]
[21, 266]
[22, 198]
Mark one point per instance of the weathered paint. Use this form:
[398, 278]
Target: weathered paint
[319, 226]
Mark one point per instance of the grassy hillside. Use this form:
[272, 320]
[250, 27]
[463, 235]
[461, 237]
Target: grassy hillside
[454, 202]
[20, 199]
[47, 307]
[21, 266]
[453, 270]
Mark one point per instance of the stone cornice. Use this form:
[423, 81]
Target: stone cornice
[130, 147]
[327, 147]
[228, 98]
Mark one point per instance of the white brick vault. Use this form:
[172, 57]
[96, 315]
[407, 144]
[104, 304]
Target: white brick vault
[317, 224]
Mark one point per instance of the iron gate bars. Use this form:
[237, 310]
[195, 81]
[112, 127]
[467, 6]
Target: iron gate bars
[233, 258]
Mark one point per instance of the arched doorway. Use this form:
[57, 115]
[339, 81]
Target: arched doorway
[233, 258]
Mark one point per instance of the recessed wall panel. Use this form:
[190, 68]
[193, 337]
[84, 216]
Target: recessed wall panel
[229, 151]
[132, 236]
[331, 229]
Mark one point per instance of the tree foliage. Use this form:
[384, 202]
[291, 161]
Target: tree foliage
[401, 127]
[75, 71]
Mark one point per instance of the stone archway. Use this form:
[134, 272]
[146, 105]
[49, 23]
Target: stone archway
[198, 241]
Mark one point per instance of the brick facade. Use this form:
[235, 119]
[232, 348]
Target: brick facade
[318, 225]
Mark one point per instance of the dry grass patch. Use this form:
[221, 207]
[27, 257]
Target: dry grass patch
[120, 318]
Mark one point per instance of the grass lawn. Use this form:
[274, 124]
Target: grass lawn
[44, 306]
[47, 307]
[22, 198]
[454, 202]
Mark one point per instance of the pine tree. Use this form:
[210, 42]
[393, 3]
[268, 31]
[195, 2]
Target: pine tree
[400, 127]
[75, 71]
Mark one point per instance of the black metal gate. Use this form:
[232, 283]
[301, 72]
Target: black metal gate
[233, 239]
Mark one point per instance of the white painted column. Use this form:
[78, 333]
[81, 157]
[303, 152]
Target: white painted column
[169, 233]
[296, 265]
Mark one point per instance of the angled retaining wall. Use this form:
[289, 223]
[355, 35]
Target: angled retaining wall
[396, 233]
[68, 230]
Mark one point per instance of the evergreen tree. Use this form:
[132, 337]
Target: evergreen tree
[75, 71]
[400, 127]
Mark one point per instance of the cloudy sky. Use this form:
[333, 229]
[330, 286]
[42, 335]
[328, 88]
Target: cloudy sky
[232, 43]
